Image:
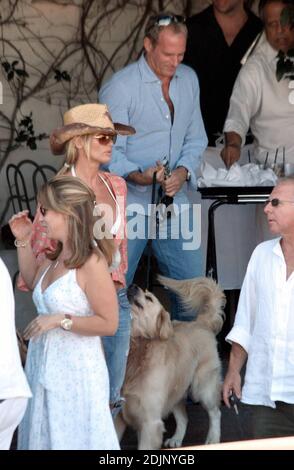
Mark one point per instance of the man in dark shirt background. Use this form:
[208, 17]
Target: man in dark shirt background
[218, 38]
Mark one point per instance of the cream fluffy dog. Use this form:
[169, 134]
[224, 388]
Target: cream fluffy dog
[169, 359]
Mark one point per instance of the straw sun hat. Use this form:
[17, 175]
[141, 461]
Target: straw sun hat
[85, 119]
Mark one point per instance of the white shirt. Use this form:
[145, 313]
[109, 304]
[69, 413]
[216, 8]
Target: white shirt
[13, 382]
[264, 327]
[262, 103]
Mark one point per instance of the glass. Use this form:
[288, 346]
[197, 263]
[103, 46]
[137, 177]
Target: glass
[43, 211]
[164, 20]
[105, 139]
[278, 165]
[275, 202]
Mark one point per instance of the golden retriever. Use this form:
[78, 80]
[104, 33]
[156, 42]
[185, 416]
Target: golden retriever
[169, 359]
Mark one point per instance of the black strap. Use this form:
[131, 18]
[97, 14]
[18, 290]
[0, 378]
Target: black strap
[149, 243]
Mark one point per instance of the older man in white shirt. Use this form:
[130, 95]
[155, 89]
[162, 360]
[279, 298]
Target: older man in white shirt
[14, 389]
[259, 101]
[263, 332]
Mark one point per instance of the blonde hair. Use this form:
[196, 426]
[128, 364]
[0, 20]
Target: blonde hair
[72, 197]
[72, 152]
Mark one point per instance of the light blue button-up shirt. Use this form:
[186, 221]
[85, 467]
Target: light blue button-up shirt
[134, 96]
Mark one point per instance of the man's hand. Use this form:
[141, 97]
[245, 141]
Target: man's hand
[232, 384]
[145, 178]
[232, 149]
[230, 154]
[173, 183]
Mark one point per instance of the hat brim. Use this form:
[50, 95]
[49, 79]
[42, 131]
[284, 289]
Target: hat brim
[59, 137]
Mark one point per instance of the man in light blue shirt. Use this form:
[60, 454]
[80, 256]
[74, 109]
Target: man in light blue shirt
[160, 98]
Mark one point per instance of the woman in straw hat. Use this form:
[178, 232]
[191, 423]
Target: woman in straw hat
[65, 365]
[86, 139]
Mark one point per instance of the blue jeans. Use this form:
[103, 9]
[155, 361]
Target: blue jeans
[173, 261]
[116, 350]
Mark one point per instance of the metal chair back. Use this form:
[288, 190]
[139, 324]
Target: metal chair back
[24, 180]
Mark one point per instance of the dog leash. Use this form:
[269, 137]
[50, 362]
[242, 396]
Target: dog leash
[149, 243]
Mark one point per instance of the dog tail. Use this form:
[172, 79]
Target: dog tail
[203, 295]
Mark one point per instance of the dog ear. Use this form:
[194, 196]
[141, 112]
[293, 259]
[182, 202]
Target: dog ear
[164, 325]
[217, 324]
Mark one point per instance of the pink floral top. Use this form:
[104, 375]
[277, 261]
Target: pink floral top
[41, 244]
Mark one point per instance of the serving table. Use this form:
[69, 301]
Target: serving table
[227, 195]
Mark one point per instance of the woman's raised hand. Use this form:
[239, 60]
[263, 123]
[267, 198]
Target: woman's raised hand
[21, 225]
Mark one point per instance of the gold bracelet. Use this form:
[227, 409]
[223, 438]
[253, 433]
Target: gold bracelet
[21, 243]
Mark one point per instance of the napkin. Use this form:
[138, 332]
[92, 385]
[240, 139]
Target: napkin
[245, 175]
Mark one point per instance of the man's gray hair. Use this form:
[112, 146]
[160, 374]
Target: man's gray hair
[153, 29]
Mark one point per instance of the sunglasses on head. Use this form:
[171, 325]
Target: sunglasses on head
[43, 211]
[165, 20]
[105, 139]
[275, 202]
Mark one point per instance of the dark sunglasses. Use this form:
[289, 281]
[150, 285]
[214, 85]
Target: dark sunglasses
[43, 211]
[164, 20]
[275, 202]
[105, 139]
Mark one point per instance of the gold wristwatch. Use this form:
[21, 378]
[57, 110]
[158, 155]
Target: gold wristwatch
[66, 323]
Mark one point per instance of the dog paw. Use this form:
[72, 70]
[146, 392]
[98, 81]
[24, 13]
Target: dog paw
[212, 439]
[173, 442]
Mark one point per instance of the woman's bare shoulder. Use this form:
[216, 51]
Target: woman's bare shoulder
[93, 267]
[94, 263]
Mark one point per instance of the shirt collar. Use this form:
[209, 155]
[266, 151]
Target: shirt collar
[147, 73]
[264, 49]
[271, 53]
[277, 249]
